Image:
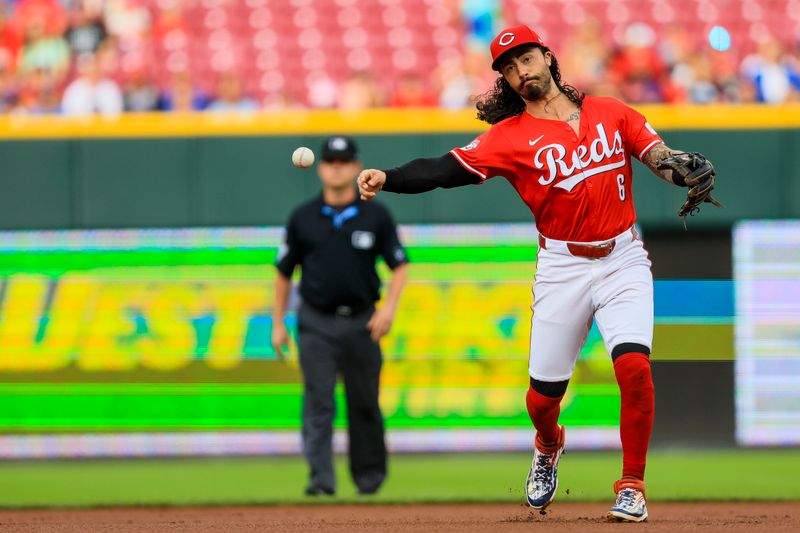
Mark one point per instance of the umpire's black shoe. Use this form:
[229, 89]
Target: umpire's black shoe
[369, 483]
[312, 490]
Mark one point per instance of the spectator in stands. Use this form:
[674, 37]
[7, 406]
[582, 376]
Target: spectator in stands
[724, 73]
[361, 91]
[39, 40]
[9, 89]
[636, 67]
[585, 56]
[280, 100]
[91, 92]
[675, 44]
[170, 22]
[456, 85]
[411, 92]
[39, 95]
[10, 46]
[86, 30]
[604, 86]
[229, 95]
[139, 93]
[49, 98]
[772, 75]
[695, 78]
[43, 50]
[706, 77]
[10, 43]
[323, 93]
[34, 11]
[181, 95]
[128, 21]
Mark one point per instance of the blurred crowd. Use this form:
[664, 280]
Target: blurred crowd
[677, 68]
[77, 57]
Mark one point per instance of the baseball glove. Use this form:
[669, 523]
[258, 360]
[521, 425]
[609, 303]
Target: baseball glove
[694, 171]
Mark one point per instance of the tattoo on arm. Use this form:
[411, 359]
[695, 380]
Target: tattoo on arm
[655, 156]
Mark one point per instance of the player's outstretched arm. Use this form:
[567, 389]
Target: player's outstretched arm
[419, 175]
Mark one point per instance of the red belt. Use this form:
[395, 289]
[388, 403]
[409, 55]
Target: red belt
[592, 251]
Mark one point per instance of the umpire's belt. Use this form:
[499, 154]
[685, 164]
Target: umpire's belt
[593, 250]
[345, 310]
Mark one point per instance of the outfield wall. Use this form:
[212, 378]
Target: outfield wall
[138, 342]
[212, 170]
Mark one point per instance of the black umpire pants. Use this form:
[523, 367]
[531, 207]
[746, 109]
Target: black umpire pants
[332, 345]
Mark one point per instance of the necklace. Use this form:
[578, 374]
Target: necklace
[574, 116]
[547, 103]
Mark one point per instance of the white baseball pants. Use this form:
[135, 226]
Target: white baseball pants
[568, 291]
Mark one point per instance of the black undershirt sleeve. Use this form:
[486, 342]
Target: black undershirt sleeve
[421, 175]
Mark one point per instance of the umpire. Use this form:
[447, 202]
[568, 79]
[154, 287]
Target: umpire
[336, 239]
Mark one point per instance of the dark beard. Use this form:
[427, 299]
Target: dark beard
[535, 91]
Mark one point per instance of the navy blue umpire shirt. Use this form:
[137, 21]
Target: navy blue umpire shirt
[336, 249]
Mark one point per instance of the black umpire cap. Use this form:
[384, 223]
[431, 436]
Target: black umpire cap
[339, 148]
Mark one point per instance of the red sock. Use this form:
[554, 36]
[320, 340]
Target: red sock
[544, 412]
[636, 415]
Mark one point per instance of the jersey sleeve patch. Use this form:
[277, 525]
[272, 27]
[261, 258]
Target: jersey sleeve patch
[471, 146]
[488, 155]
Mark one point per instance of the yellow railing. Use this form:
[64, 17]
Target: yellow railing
[376, 122]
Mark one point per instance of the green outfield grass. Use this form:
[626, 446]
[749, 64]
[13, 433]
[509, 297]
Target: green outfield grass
[672, 475]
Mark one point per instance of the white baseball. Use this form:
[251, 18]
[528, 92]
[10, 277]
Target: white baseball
[303, 157]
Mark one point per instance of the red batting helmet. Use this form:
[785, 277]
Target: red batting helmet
[511, 38]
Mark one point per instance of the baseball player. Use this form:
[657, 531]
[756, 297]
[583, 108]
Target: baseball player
[569, 158]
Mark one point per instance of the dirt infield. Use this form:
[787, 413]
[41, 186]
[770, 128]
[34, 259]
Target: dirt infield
[495, 518]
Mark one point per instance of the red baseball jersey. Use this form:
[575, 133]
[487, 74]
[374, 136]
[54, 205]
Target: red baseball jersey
[578, 187]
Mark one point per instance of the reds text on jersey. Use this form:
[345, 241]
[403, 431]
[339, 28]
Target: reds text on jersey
[577, 186]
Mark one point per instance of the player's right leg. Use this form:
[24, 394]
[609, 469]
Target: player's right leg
[561, 320]
[543, 402]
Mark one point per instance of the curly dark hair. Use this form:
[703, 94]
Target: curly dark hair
[502, 101]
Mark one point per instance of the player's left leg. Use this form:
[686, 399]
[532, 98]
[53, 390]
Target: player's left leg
[632, 370]
[624, 301]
